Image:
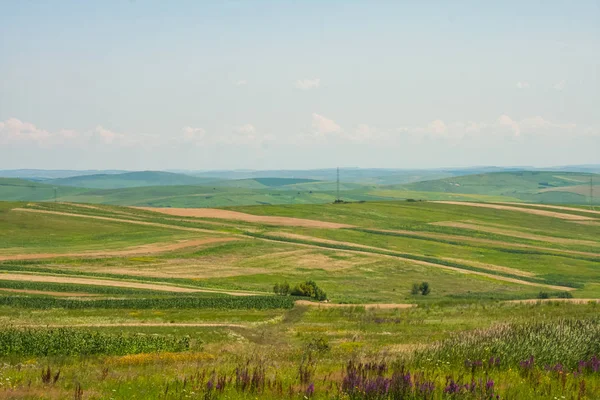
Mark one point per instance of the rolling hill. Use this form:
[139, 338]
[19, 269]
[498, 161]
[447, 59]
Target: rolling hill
[531, 186]
[130, 179]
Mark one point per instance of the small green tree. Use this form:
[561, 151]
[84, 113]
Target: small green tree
[424, 288]
[284, 289]
[276, 288]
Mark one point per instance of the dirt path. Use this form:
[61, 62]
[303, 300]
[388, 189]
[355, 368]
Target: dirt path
[382, 306]
[151, 248]
[113, 283]
[518, 234]
[55, 294]
[460, 238]
[239, 216]
[127, 221]
[544, 213]
[410, 260]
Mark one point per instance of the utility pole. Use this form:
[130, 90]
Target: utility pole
[55, 190]
[338, 186]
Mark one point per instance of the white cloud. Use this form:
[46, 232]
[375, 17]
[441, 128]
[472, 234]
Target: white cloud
[14, 129]
[523, 85]
[307, 84]
[438, 127]
[247, 129]
[505, 120]
[324, 125]
[241, 82]
[560, 85]
[107, 136]
[192, 134]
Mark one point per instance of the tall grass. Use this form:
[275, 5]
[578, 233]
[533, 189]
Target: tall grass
[565, 341]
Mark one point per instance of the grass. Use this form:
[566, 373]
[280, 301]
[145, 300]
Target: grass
[298, 351]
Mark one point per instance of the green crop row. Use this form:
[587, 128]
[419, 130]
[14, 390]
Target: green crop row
[234, 303]
[71, 342]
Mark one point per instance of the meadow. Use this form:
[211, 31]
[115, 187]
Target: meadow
[104, 301]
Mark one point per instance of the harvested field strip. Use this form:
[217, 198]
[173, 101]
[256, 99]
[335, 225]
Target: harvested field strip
[461, 240]
[417, 259]
[564, 208]
[198, 285]
[239, 216]
[491, 267]
[151, 248]
[76, 288]
[48, 293]
[367, 306]
[106, 282]
[125, 221]
[518, 234]
[553, 214]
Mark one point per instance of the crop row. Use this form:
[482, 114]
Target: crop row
[70, 342]
[234, 303]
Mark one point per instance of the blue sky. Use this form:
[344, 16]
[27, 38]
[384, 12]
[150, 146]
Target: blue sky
[304, 84]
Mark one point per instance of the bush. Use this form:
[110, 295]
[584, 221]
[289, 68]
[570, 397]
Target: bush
[282, 289]
[543, 295]
[309, 289]
[564, 295]
[416, 289]
[424, 288]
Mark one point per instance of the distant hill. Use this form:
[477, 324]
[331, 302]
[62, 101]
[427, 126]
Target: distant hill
[43, 174]
[13, 189]
[130, 179]
[533, 186]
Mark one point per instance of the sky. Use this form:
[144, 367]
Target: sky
[205, 85]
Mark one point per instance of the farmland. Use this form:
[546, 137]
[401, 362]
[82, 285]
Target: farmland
[177, 303]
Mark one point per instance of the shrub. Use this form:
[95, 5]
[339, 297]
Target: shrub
[416, 289]
[543, 295]
[309, 289]
[564, 295]
[424, 288]
[282, 289]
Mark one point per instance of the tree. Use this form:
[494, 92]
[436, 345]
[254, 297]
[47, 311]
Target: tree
[282, 289]
[424, 288]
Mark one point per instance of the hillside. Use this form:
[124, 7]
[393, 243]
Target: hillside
[129, 179]
[531, 186]
[12, 189]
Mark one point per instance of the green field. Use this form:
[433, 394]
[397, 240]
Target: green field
[131, 303]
